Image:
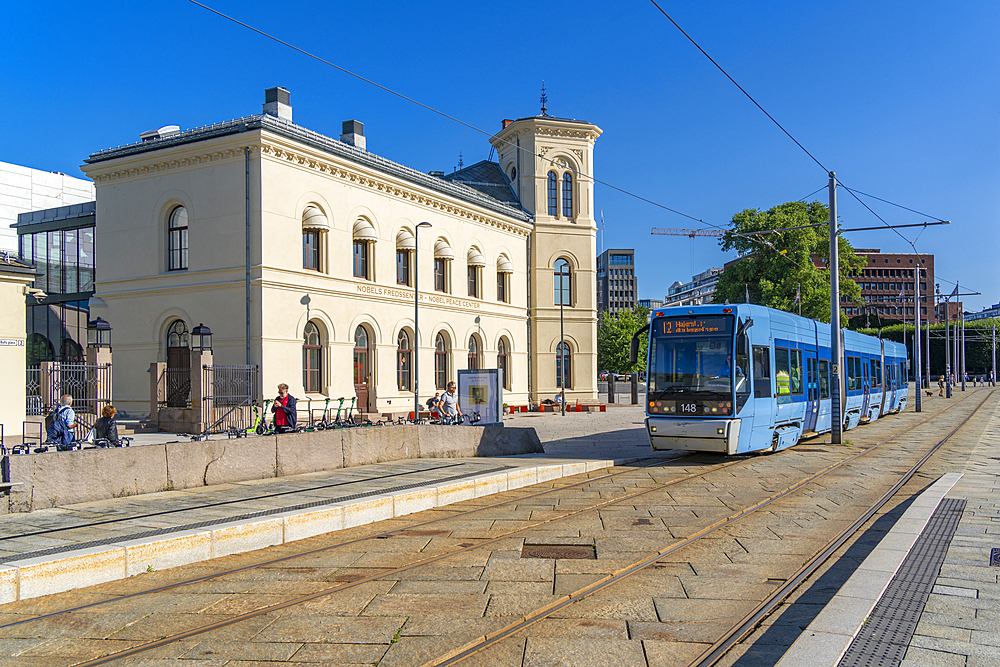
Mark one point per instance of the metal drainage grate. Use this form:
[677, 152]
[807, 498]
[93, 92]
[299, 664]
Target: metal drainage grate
[995, 557]
[886, 635]
[564, 551]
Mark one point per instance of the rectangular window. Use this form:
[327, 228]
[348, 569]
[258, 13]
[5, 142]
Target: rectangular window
[824, 379]
[783, 374]
[795, 374]
[361, 259]
[402, 267]
[502, 287]
[761, 371]
[310, 250]
[440, 269]
[474, 282]
[178, 249]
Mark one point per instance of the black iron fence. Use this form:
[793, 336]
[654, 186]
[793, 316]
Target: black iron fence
[230, 396]
[88, 384]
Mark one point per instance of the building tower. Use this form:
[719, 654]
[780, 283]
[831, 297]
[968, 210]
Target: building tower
[549, 162]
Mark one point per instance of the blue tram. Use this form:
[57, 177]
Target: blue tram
[743, 378]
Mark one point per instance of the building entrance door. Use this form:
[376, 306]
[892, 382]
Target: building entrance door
[178, 377]
[362, 368]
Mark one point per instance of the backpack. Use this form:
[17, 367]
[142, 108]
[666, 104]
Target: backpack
[50, 419]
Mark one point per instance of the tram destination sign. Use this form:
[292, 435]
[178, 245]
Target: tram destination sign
[685, 326]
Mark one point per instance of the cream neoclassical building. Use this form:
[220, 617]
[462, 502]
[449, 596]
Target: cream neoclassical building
[299, 251]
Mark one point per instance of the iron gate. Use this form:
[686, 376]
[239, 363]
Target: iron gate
[230, 397]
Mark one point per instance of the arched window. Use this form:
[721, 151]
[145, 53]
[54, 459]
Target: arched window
[562, 277]
[502, 363]
[312, 359]
[473, 354]
[177, 239]
[553, 194]
[403, 358]
[504, 269]
[567, 195]
[177, 335]
[563, 376]
[440, 362]
[314, 223]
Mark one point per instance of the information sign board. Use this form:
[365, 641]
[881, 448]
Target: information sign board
[481, 391]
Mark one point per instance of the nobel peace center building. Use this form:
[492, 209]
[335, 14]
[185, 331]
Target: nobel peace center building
[309, 256]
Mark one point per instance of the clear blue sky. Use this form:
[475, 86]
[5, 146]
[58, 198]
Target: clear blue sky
[900, 98]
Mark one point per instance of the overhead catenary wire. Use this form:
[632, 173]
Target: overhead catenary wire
[443, 114]
[782, 128]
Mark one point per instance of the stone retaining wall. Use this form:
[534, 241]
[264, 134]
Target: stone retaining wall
[61, 478]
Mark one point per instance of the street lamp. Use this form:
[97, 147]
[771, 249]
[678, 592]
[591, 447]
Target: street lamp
[416, 321]
[202, 338]
[98, 333]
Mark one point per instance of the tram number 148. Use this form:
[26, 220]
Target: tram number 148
[689, 407]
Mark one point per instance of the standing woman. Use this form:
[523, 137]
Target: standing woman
[284, 409]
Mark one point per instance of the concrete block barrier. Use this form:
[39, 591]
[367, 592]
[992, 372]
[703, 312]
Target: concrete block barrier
[65, 478]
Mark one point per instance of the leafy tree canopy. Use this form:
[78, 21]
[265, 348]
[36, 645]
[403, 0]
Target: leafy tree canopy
[614, 340]
[774, 266]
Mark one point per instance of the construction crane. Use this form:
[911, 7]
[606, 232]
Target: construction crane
[687, 232]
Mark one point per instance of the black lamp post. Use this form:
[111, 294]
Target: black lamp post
[202, 338]
[98, 333]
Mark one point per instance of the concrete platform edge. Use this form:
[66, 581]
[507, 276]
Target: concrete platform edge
[20, 580]
[830, 634]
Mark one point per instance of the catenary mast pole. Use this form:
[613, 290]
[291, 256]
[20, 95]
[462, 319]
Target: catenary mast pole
[836, 353]
[961, 314]
[918, 361]
[947, 349]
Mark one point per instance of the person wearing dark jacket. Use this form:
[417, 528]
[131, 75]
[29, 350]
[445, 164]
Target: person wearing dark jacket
[106, 428]
[284, 409]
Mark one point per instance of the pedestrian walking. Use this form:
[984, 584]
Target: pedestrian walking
[449, 402]
[941, 386]
[284, 409]
[60, 422]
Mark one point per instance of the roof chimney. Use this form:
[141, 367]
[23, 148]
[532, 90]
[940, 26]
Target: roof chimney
[278, 102]
[354, 134]
[506, 123]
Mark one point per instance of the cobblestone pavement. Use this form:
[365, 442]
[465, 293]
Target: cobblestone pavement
[386, 602]
[959, 624]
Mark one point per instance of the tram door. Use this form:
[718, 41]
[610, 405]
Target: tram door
[812, 391]
[866, 386]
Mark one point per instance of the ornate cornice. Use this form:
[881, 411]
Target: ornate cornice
[353, 177]
[174, 163]
[566, 133]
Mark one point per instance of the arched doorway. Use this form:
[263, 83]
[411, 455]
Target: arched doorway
[178, 375]
[362, 369]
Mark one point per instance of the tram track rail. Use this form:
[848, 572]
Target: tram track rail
[531, 618]
[746, 625]
[713, 654]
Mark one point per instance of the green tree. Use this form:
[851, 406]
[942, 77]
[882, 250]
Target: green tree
[774, 267]
[614, 340]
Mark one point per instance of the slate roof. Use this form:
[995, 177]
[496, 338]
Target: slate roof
[487, 178]
[500, 205]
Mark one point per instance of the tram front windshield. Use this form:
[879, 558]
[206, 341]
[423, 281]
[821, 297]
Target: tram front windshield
[692, 357]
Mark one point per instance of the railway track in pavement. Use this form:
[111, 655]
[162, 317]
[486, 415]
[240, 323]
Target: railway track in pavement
[638, 480]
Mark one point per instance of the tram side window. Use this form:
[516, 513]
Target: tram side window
[876, 374]
[824, 379]
[782, 374]
[903, 376]
[795, 375]
[853, 374]
[741, 381]
[761, 371]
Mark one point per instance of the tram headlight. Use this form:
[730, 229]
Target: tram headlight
[721, 431]
[652, 429]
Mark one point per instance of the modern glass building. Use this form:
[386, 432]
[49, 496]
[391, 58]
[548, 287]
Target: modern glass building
[59, 243]
[616, 282]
